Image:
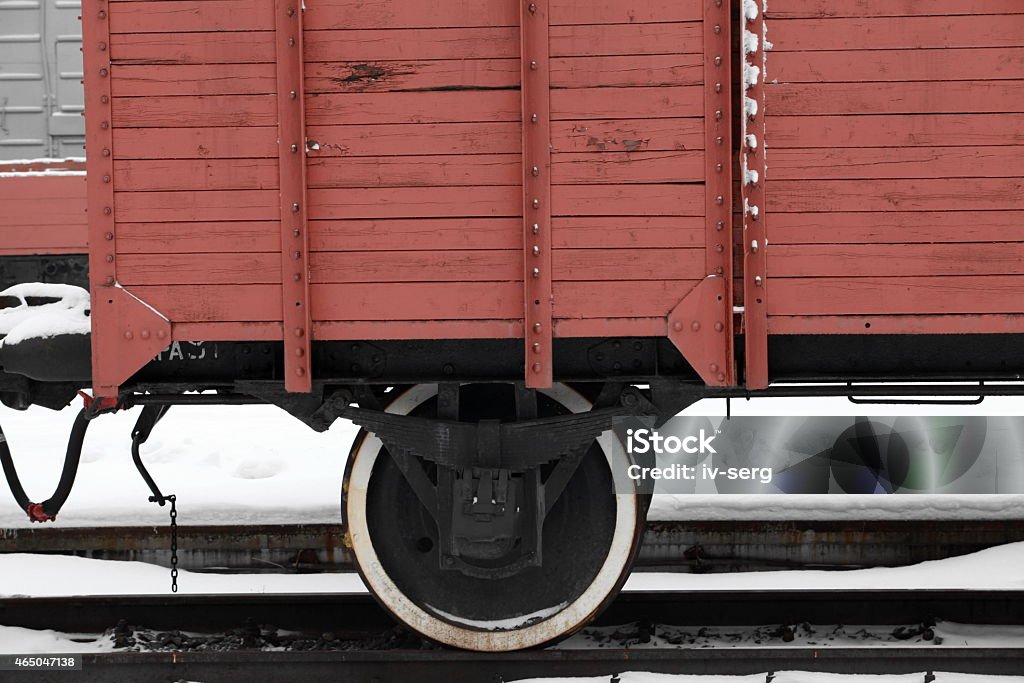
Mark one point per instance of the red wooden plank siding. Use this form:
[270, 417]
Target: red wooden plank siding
[42, 214]
[896, 181]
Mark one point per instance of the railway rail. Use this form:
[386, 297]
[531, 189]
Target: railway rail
[683, 546]
[350, 634]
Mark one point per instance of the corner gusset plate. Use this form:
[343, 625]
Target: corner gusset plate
[131, 334]
[698, 328]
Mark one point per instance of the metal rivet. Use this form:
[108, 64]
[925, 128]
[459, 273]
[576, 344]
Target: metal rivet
[536, 251]
[719, 326]
[102, 46]
[718, 87]
[536, 203]
[533, 65]
[291, 42]
[160, 334]
[718, 61]
[296, 232]
[300, 371]
[714, 367]
[718, 168]
[297, 255]
[536, 272]
[719, 200]
[292, 95]
[677, 326]
[721, 377]
[295, 207]
[719, 248]
[103, 72]
[297, 277]
[106, 179]
[535, 171]
[718, 115]
[719, 140]
[536, 228]
[719, 270]
[753, 246]
[537, 367]
[300, 352]
[720, 225]
[128, 334]
[109, 258]
[104, 99]
[106, 151]
[758, 281]
[695, 326]
[110, 280]
[718, 28]
[291, 11]
[144, 334]
[107, 211]
[534, 118]
[295, 148]
[102, 14]
[299, 332]
[108, 236]
[536, 348]
[104, 125]
[537, 327]
[533, 8]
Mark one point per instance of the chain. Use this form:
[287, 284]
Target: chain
[174, 544]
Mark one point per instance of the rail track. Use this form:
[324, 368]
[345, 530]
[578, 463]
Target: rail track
[319, 637]
[706, 546]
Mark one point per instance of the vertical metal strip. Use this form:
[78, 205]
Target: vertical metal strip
[753, 168]
[536, 93]
[100, 202]
[718, 150]
[292, 162]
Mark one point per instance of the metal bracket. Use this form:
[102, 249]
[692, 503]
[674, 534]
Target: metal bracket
[536, 95]
[291, 139]
[697, 327]
[131, 335]
[755, 240]
[718, 167]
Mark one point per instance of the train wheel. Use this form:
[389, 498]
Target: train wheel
[589, 539]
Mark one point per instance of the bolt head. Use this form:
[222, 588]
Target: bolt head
[719, 326]
[714, 367]
[128, 335]
[144, 334]
[678, 326]
[537, 368]
[695, 326]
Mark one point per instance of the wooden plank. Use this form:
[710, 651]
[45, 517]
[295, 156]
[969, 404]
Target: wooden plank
[415, 233]
[394, 76]
[958, 194]
[626, 71]
[195, 174]
[872, 260]
[418, 107]
[897, 162]
[418, 329]
[199, 269]
[412, 171]
[628, 200]
[418, 301]
[611, 327]
[956, 97]
[897, 295]
[137, 80]
[619, 299]
[235, 331]
[415, 138]
[413, 202]
[889, 227]
[194, 112]
[255, 142]
[412, 44]
[626, 103]
[174, 16]
[395, 14]
[214, 303]
[592, 232]
[417, 266]
[897, 324]
[628, 167]
[37, 200]
[798, 9]
[644, 264]
[398, 14]
[213, 205]
[221, 47]
[627, 39]
[873, 66]
[627, 135]
[928, 130]
[884, 33]
[194, 238]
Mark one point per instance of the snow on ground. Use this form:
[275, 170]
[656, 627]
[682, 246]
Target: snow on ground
[783, 677]
[257, 464]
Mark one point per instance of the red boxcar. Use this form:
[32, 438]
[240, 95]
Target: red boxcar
[454, 212]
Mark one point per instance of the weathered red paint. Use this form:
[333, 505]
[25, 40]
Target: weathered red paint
[42, 214]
